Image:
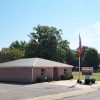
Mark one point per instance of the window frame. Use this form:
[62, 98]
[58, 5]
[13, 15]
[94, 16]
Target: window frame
[43, 71]
[65, 71]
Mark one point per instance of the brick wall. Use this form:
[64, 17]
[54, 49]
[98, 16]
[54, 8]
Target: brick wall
[37, 72]
[15, 74]
[61, 71]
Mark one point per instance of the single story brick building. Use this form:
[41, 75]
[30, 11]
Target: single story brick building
[29, 69]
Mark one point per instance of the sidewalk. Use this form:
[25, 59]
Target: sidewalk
[83, 89]
[70, 83]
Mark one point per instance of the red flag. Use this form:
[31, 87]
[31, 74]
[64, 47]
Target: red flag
[80, 47]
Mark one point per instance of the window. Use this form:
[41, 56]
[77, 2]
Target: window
[65, 71]
[43, 71]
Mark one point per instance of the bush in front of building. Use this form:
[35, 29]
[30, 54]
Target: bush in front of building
[93, 80]
[41, 79]
[64, 77]
[44, 79]
[79, 81]
[71, 76]
[49, 79]
[90, 81]
[87, 81]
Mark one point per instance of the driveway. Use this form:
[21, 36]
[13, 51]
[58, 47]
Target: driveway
[20, 92]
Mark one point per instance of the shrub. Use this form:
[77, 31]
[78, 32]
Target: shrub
[64, 77]
[87, 81]
[71, 76]
[41, 79]
[93, 80]
[79, 81]
[49, 79]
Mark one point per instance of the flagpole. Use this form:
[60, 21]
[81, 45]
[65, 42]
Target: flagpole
[79, 68]
[79, 54]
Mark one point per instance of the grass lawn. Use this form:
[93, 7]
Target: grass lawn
[95, 75]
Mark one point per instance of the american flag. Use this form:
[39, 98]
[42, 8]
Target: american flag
[80, 47]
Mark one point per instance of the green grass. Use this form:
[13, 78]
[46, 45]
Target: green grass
[95, 75]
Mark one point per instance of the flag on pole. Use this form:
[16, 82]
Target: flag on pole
[80, 47]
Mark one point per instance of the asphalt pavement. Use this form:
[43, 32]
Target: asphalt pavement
[21, 92]
[56, 90]
[82, 89]
[89, 96]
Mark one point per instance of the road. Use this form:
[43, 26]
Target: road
[20, 92]
[25, 91]
[90, 96]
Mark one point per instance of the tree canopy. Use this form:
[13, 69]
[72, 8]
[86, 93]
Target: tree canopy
[8, 54]
[91, 58]
[18, 45]
[47, 42]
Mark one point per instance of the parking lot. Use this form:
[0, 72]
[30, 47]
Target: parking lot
[21, 91]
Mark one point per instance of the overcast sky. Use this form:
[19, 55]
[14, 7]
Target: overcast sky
[18, 17]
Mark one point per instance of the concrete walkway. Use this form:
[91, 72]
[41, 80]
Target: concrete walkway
[71, 83]
[83, 89]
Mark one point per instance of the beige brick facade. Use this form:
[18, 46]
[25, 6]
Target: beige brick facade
[15, 74]
[25, 74]
[61, 71]
[37, 72]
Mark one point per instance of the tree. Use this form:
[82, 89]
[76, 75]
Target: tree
[31, 50]
[18, 45]
[8, 54]
[70, 57]
[99, 58]
[60, 55]
[62, 49]
[84, 51]
[64, 44]
[91, 58]
[75, 58]
[46, 42]
[43, 42]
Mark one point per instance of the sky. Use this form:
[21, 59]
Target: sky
[18, 17]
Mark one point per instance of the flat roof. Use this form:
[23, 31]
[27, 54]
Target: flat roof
[33, 62]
